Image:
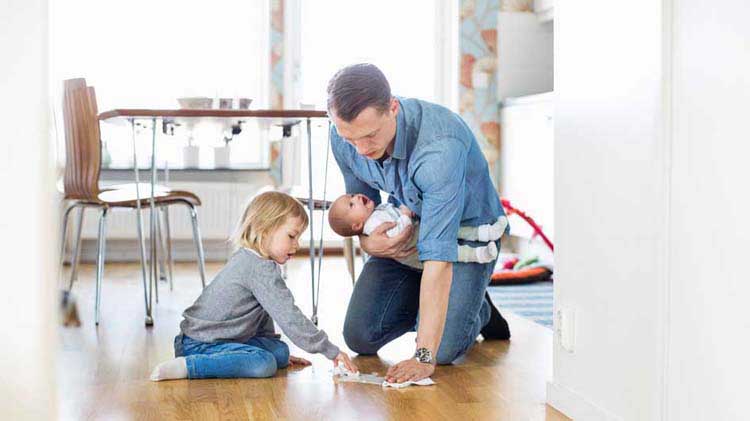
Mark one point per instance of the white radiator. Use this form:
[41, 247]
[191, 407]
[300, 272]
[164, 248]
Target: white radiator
[222, 204]
[221, 207]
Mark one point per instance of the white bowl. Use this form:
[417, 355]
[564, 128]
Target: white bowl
[244, 103]
[195, 102]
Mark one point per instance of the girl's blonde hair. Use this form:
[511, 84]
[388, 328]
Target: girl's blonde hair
[265, 214]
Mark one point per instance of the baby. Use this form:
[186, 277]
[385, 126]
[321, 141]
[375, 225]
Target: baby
[355, 214]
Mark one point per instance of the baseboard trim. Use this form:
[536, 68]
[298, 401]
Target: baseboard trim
[575, 406]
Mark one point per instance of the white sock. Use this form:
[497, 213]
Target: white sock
[492, 232]
[487, 253]
[483, 232]
[168, 370]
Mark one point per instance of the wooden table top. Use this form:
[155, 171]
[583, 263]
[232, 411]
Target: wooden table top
[211, 113]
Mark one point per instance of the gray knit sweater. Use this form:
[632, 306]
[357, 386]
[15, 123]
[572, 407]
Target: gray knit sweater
[244, 300]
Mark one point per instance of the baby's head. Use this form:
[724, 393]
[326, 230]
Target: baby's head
[349, 213]
[271, 225]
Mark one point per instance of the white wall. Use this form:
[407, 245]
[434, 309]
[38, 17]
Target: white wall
[610, 207]
[526, 164]
[709, 335]
[28, 216]
[652, 200]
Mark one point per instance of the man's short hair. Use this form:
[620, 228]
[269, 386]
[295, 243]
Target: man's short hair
[356, 87]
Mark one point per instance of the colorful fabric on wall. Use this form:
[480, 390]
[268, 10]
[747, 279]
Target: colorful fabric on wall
[276, 88]
[478, 73]
[477, 80]
[276, 94]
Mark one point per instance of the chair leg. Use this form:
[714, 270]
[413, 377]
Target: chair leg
[198, 244]
[63, 235]
[349, 256]
[76, 250]
[162, 247]
[142, 248]
[101, 242]
[365, 256]
[170, 259]
[156, 253]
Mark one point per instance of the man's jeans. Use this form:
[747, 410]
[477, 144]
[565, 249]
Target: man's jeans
[385, 305]
[258, 357]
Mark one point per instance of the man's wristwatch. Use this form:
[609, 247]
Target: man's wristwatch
[424, 356]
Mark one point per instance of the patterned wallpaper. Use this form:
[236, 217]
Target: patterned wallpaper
[477, 79]
[517, 5]
[276, 94]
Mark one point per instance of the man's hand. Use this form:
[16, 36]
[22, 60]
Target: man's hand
[380, 245]
[410, 369]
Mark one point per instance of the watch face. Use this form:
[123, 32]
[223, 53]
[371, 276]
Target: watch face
[423, 355]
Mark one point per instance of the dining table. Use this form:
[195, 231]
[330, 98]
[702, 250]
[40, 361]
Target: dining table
[142, 117]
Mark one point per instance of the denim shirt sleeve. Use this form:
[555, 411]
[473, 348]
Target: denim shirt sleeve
[441, 177]
[344, 157]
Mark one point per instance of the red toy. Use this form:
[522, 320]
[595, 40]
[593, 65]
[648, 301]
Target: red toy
[510, 210]
[525, 275]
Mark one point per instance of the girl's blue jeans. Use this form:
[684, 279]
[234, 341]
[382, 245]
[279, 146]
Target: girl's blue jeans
[258, 357]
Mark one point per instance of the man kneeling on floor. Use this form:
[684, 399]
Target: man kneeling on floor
[428, 160]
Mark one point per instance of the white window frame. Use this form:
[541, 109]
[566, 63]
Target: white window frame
[446, 58]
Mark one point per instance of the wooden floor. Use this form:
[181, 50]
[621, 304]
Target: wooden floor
[103, 372]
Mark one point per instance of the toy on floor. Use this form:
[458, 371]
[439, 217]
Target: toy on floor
[341, 374]
[523, 276]
[518, 271]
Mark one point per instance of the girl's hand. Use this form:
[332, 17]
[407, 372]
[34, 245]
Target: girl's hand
[298, 361]
[344, 359]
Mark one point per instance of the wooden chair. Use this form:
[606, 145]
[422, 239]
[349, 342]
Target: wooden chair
[81, 188]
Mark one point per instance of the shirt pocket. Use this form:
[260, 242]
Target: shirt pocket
[413, 198]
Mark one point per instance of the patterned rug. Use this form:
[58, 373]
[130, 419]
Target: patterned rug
[530, 301]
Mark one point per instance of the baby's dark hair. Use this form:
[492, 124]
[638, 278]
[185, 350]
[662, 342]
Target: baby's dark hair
[337, 219]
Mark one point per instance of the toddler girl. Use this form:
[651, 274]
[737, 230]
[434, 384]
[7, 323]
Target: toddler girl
[229, 330]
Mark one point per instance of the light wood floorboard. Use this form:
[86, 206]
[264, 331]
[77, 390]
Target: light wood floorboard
[103, 372]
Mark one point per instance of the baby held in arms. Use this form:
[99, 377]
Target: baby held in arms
[357, 214]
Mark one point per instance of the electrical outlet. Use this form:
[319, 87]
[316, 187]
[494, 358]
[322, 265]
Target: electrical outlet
[565, 328]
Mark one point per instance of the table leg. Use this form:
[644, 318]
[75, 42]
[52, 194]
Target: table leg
[139, 217]
[349, 256]
[153, 265]
[310, 206]
[322, 217]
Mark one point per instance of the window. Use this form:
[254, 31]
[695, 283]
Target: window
[146, 54]
[335, 33]
[414, 43]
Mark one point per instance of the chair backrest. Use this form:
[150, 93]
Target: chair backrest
[82, 141]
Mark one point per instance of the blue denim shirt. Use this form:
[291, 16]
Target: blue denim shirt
[436, 169]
